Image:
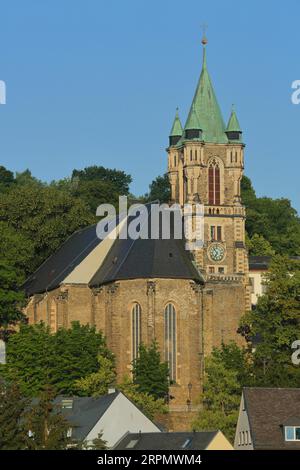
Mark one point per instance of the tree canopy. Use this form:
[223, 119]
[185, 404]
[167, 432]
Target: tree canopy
[36, 358]
[150, 375]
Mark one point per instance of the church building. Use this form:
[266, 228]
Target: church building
[139, 290]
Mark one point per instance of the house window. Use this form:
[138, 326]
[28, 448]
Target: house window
[170, 340]
[292, 433]
[221, 270]
[219, 233]
[67, 404]
[251, 280]
[214, 183]
[211, 270]
[136, 329]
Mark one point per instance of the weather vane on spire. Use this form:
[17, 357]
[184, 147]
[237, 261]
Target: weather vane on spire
[204, 38]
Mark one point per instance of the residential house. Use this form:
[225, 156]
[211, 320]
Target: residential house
[269, 419]
[202, 440]
[113, 415]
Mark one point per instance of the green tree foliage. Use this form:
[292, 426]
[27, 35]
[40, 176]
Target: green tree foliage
[25, 178]
[275, 324]
[149, 373]
[12, 409]
[36, 358]
[97, 444]
[6, 178]
[159, 190]
[44, 215]
[119, 179]
[273, 219]
[94, 193]
[29, 358]
[46, 427]
[149, 405]
[11, 299]
[226, 372]
[97, 383]
[259, 246]
[16, 249]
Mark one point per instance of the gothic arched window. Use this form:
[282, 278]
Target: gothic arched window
[214, 183]
[136, 329]
[170, 340]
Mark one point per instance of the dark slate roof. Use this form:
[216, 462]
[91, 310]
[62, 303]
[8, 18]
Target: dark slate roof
[166, 441]
[269, 410]
[86, 412]
[55, 269]
[259, 262]
[127, 259]
[151, 258]
[134, 259]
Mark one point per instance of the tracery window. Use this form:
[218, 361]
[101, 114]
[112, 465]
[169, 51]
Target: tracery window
[136, 313]
[170, 340]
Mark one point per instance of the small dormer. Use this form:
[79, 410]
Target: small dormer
[233, 130]
[176, 131]
[193, 128]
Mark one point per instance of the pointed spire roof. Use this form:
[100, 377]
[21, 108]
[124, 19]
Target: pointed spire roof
[233, 123]
[176, 130]
[193, 121]
[206, 106]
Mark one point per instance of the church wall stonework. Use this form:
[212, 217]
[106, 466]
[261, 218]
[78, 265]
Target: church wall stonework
[109, 309]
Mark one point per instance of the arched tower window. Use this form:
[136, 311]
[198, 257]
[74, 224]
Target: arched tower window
[214, 183]
[136, 329]
[170, 340]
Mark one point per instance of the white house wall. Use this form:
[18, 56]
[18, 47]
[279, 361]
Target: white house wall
[243, 426]
[121, 417]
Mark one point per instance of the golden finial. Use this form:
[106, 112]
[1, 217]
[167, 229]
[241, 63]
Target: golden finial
[204, 38]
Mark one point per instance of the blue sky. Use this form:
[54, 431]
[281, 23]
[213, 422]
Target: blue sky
[97, 82]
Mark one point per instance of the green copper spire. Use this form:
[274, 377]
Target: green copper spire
[207, 108]
[233, 123]
[176, 130]
[193, 120]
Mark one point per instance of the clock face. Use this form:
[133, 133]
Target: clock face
[216, 251]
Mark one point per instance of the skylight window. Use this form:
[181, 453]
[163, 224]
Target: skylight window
[131, 443]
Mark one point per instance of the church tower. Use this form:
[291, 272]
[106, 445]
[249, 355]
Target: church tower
[205, 165]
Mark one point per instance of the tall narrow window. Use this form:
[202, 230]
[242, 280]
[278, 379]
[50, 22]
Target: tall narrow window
[53, 317]
[136, 329]
[214, 183]
[212, 232]
[170, 340]
[219, 233]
